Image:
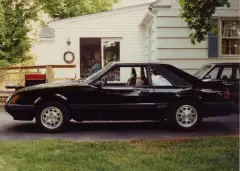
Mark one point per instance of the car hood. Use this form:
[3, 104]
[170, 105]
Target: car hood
[53, 85]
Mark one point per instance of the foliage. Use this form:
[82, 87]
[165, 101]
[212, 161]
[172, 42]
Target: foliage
[197, 14]
[15, 18]
[61, 9]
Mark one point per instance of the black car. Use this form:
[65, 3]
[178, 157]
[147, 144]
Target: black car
[226, 72]
[123, 91]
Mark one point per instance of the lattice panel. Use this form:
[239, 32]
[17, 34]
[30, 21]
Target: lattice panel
[3, 99]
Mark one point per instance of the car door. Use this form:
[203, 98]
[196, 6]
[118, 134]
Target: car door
[227, 74]
[117, 100]
[124, 102]
[236, 87]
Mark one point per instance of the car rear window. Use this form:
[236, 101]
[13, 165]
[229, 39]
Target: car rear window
[170, 78]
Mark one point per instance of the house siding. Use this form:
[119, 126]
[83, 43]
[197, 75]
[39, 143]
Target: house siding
[165, 37]
[148, 33]
[123, 25]
[171, 43]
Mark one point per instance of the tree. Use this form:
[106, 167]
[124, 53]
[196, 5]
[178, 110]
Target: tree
[197, 14]
[61, 9]
[16, 17]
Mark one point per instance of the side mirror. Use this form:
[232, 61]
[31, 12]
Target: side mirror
[98, 84]
[207, 77]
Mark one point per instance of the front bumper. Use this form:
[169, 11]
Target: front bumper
[212, 109]
[20, 112]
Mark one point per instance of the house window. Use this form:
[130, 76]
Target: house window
[110, 50]
[230, 37]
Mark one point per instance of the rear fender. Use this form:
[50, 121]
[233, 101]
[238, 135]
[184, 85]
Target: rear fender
[192, 96]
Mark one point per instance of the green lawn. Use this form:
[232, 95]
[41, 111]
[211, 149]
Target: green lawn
[207, 154]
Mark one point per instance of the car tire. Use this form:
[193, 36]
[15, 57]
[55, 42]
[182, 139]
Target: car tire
[185, 116]
[52, 117]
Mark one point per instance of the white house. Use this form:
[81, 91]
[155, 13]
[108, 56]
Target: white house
[146, 31]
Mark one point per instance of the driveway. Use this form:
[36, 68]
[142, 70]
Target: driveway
[92, 131]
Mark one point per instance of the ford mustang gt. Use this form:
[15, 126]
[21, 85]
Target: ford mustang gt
[123, 91]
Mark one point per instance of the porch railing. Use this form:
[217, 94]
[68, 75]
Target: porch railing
[16, 75]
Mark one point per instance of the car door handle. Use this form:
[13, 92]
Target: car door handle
[229, 84]
[145, 92]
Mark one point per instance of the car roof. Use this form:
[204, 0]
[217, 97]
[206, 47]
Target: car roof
[160, 63]
[137, 63]
[226, 63]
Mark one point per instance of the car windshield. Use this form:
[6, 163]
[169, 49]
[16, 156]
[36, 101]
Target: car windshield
[200, 72]
[97, 74]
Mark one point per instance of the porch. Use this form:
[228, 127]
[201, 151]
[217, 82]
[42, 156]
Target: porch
[16, 76]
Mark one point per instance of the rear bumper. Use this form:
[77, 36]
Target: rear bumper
[212, 109]
[20, 112]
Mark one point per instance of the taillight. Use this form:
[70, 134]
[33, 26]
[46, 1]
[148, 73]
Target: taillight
[226, 95]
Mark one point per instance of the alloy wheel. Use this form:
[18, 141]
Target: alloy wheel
[187, 116]
[51, 117]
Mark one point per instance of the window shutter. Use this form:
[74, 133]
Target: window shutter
[213, 43]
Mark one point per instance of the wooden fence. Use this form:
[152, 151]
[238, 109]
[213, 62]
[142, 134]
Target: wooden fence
[16, 75]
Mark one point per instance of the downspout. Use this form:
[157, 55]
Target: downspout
[150, 12]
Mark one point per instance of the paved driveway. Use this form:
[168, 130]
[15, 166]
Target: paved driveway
[88, 131]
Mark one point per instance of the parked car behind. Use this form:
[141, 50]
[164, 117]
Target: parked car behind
[140, 91]
[227, 72]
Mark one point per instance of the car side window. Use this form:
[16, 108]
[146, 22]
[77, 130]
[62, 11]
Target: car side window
[227, 73]
[213, 73]
[126, 76]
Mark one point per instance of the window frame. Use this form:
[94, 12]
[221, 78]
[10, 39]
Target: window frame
[211, 69]
[221, 71]
[220, 37]
[126, 66]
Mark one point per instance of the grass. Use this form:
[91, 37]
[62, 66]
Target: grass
[207, 154]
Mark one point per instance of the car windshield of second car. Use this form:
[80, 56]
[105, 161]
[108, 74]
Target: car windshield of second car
[200, 72]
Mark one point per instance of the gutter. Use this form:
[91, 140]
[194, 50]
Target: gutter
[151, 13]
[150, 8]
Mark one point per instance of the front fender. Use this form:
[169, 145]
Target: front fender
[57, 97]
